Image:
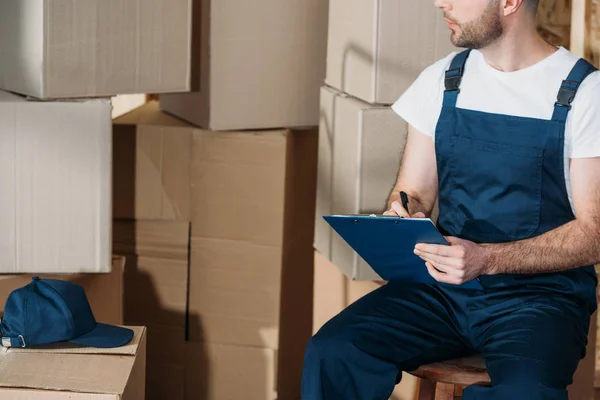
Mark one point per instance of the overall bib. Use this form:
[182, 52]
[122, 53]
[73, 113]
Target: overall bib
[501, 178]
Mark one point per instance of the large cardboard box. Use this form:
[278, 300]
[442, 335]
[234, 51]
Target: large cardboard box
[55, 174]
[377, 48]
[251, 270]
[93, 48]
[260, 63]
[151, 163]
[156, 283]
[360, 148]
[75, 373]
[222, 372]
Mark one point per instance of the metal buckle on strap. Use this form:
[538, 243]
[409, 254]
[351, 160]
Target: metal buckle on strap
[453, 79]
[7, 341]
[566, 95]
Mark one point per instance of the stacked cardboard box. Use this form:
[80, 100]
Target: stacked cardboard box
[105, 295]
[151, 206]
[55, 153]
[60, 62]
[249, 282]
[72, 373]
[246, 199]
[251, 276]
[55, 177]
[375, 50]
[252, 217]
[259, 65]
[56, 49]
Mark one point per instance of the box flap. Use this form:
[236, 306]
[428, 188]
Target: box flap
[150, 114]
[129, 349]
[80, 373]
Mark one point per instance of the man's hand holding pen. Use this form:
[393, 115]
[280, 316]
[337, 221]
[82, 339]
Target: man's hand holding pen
[401, 208]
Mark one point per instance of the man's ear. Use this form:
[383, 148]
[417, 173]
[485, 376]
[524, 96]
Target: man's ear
[509, 7]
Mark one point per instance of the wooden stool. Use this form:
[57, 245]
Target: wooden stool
[446, 380]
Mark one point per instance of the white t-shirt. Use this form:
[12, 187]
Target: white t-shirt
[529, 92]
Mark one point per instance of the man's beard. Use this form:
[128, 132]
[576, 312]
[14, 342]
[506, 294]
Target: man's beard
[482, 31]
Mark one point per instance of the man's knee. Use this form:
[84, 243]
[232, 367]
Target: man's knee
[327, 347]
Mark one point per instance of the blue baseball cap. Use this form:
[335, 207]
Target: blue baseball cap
[48, 311]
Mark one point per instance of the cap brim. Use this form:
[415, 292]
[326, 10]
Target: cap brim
[105, 336]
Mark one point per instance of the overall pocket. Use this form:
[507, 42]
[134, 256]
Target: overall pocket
[496, 189]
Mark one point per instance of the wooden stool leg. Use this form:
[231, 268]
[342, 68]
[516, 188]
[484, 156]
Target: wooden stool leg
[444, 391]
[426, 390]
[458, 390]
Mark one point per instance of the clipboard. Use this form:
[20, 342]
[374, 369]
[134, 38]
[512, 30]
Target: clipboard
[386, 243]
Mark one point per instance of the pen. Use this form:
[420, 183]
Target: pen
[404, 199]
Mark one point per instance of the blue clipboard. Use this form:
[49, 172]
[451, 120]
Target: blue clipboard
[386, 243]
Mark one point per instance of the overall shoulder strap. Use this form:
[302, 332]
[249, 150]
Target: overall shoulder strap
[453, 78]
[568, 89]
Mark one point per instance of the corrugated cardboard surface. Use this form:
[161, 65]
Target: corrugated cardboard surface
[124, 103]
[32, 394]
[103, 291]
[221, 372]
[329, 292]
[360, 148]
[327, 129]
[93, 48]
[156, 290]
[55, 174]
[95, 372]
[256, 75]
[251, 270]
[377, 48]
[152, 157]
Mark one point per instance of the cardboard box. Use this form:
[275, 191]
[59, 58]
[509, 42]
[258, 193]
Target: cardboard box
[73, 372]
[156, 284]
[329, 291]
[55, 174]
[377, 48]
[221, 372]
[260, 64]
[94, 48]
[125, 103]
[151, 163]
[156, 278]
[360, 148]
[251, 270]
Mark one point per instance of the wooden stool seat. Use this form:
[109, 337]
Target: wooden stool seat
[445, 380]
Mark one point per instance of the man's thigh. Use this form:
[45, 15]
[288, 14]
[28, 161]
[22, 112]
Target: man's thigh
[535, 348]
[406, 324]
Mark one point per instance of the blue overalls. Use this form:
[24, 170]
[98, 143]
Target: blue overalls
[501, 178]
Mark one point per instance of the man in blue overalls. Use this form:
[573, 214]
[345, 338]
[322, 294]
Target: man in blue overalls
[507, 133]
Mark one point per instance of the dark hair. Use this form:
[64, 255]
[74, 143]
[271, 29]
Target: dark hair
[532, 5]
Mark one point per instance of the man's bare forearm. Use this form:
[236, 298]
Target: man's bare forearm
[572, 245]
